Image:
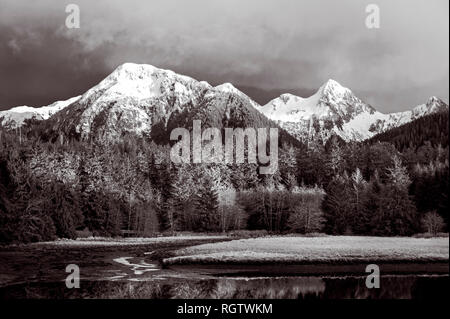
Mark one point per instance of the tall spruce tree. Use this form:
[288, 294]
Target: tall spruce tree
[207, 204]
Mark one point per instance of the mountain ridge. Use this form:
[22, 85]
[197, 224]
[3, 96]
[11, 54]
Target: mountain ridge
[139, 98]
[149, 102]
[17, 115]
[336, 110]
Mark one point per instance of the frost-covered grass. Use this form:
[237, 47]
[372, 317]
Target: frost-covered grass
[327, 249]
[107, 241]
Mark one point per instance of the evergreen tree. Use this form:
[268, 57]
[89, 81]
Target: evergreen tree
[399, 208]
[337, 206]
[371, 215]
[206, 206]
[8, 220]
[64, 209]
[358, 192]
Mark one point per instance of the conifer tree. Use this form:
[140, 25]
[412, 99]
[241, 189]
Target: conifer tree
[206, 205]
[337, 206]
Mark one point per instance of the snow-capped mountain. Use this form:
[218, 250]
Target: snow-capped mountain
[147, 101]
[16, 116]
[389, 121]
[335, 110]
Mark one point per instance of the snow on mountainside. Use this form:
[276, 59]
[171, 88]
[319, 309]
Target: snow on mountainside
[132, 98]
[229, 88]
[145, 100]
[335, 110]
[389, 121]
[149, 101]
[16, 116]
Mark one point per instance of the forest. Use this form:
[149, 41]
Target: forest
[395, 184]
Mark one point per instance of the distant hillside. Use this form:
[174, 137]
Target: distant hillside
[432, 128]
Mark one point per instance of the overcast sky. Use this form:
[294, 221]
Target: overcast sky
[265, 47]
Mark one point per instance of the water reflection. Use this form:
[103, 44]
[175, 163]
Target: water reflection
[245, 288]
[391, 287]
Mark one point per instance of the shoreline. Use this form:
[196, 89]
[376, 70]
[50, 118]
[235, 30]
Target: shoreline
[308, 269]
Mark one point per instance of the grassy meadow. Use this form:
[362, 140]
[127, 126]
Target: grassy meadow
[325, 249]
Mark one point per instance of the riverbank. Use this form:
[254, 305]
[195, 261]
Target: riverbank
[315, 250]
[46, 261]
[139, 267]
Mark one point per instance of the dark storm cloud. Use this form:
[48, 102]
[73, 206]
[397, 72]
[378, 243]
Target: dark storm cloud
[37, 69]
[263, 47]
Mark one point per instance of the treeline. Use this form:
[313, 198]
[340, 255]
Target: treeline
[355, 176]
[50, 190]
[64, 188]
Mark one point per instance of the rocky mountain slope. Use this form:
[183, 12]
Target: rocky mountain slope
[335, 110]
[147, 101]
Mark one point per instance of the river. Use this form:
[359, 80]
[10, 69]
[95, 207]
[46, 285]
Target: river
[136, 272]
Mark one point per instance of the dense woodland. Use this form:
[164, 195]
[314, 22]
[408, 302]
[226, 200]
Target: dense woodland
[394, 184]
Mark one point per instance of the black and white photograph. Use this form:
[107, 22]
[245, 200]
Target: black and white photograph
[224, 150]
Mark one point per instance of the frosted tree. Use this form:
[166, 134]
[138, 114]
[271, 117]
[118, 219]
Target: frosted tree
[400, 216]
[307, 216]
[359, 185]
[335, 160]
[398, 174]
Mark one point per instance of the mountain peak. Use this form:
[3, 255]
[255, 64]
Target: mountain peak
[133, 67]
[433, 105]
[436, 104]
[132, 71]
[228, 88]
[434, 99]
[331, 83]
[333, 87]
[140, 82]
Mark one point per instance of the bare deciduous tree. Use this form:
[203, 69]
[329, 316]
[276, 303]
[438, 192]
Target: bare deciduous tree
[432, 223]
